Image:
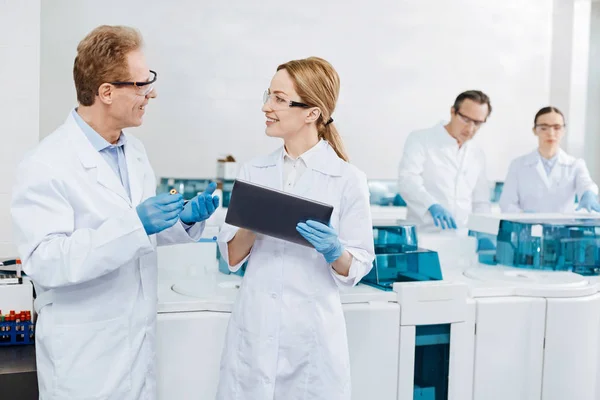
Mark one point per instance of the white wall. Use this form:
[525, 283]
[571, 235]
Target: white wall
[19, 99]
[569, 69]
[592, 137]
[401, 62]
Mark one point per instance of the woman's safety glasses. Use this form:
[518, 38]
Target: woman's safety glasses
[279, 103]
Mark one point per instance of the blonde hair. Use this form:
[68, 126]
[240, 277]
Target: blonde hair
[318, 85]
[101, 58]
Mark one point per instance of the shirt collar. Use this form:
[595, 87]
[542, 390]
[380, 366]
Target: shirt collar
[549, 161]
[97, 141]
[446, 138]
[324, 159]
[562, 158]
[307, 156]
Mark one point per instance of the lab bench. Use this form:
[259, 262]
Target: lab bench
[18, 374]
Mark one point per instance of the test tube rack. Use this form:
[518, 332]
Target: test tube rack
[16, 328]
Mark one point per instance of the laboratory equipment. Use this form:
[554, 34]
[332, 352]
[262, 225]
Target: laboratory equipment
[552, 245]
[537, 321]
[16, 300]
[384, 192]
[16, 328]
[496, 191]
[387, 206]
[435, 315]
[399, 259]
[227, 171]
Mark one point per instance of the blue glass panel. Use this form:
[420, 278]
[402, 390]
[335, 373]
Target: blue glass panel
[496, 192]
[432, 362]
[557, 245]
[399, 259]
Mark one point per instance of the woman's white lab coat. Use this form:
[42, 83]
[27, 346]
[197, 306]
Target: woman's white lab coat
[434, 170]
[93, 266]
[528, 188]
[286, 338]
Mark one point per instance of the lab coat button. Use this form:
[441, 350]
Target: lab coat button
[274, 295]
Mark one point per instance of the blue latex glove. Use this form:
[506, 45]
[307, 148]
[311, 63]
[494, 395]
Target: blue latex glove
[201, 207]
[589, 201]
[323, 238]
[442, 217]
[160, 212]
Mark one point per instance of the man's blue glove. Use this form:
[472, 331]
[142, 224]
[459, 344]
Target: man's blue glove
[323, 238]
[442, 217]
[201, 207]
[589, 201]
[160, 212]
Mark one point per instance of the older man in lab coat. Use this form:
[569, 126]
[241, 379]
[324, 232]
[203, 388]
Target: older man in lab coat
[442, 174]
[87, 223]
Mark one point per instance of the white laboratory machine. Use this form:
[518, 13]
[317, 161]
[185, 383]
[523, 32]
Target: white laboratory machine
[537, 307]
[536, 300]
[532, 308]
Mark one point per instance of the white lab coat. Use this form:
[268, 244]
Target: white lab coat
[528, 188]
[434, 170]
[286, 338]
[93, 266]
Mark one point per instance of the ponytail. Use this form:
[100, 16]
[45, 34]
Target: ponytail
[332, 136]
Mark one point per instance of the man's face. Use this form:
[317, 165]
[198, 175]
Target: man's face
[465, 122]
[129, 101]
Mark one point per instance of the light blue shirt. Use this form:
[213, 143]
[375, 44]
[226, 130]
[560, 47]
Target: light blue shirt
[113, 154]
[549, 163]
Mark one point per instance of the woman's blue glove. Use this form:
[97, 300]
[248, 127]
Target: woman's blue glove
[160, 212]
[442, 217]
[589, 201]
[323, 238]
[201, 207]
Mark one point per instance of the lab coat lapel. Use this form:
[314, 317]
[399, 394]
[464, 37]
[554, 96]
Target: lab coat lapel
[461, 159]
[558, 171]
[305, 183]
[555, 175]
[275, 173]
[93, 162]
[136, 170]
[323, 161]
[271, 169]
[539, 167]
[448, 147]
[451, 156]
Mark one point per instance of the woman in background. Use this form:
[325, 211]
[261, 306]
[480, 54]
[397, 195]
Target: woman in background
[286, 338]
[547, 179]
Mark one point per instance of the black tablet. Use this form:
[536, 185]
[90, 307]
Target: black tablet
[273, 212]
